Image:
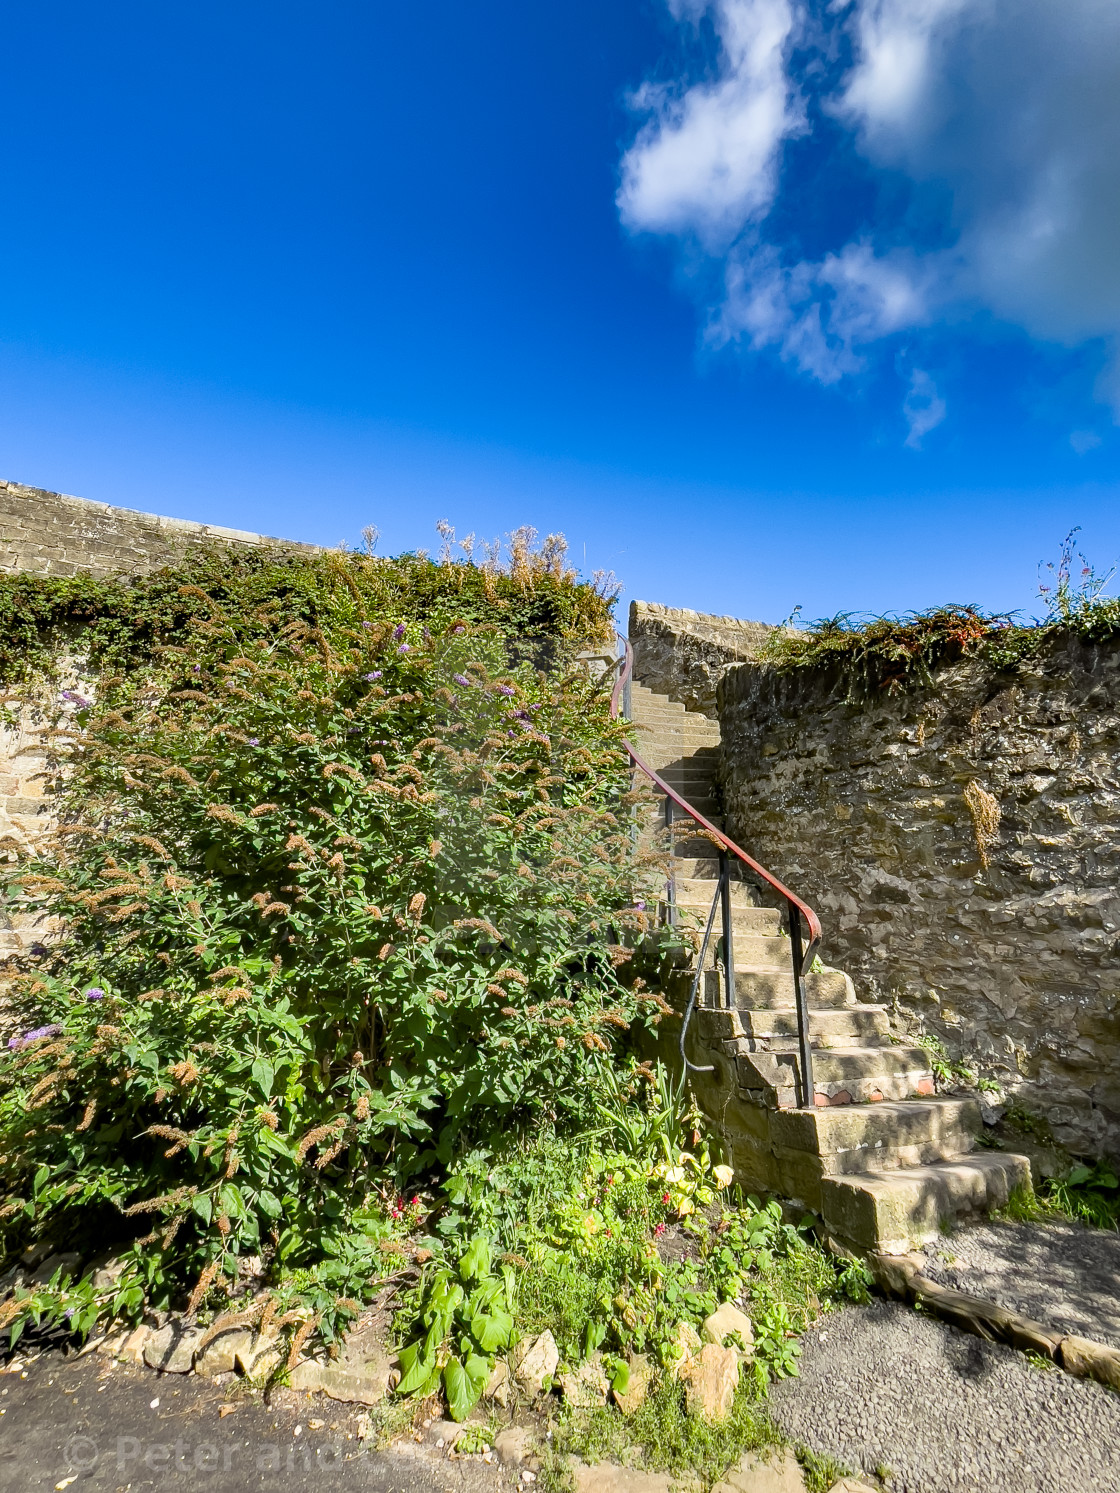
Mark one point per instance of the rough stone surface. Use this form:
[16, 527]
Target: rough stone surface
[605, 1477]
[48, 533]
[67, 1264]
[221, 1354]
[586, 1387]
[171, 1349]
[641, 1375]
[1062, 1274]
[352, 1383]
[945, 1411]
[535, 1361]
[358, 1376]
[516, 1446]
[726, 1320]
[498, 1385]
[688, 1343]
[711, 1379]
[776, 1472]
[681, 653]
[864, 808]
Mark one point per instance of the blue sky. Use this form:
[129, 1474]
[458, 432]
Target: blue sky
[760, 305]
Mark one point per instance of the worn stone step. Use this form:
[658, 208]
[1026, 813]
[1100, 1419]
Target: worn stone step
[896, 1211]
[698, 890]
[863, 1075]
[847, 1026]
[845, 1138]
[762, 988]
[747, 923]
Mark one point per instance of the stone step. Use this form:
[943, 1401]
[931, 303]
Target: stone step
[897, 1211]
[844, 1138]
[759, 989]
[759, 952]
[855, 1075]
[750, 922]
[698, 891]
[775, 1029]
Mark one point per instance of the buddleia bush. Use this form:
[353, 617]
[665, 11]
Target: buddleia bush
[337, 905]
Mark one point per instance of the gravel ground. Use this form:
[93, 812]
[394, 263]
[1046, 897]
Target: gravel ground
[883, 1385]
[1062, 1274]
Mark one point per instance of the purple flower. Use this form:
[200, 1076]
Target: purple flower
[398, 631]
[197, 669]
[75, 698]
[405, 648]
[95, 993]
[33, 1036]
[426, 635]
[640, 906]
[367, 624]
[458, 629]
[462, 679]
[375, 675]
[254, 741]
[506, 689]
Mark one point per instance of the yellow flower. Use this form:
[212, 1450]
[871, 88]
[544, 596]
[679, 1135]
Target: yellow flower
[723, 1176]
[684, 1207]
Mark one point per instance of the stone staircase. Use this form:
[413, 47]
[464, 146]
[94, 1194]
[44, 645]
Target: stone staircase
[884, 1161]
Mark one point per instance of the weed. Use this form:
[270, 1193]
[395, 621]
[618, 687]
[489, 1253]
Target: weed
[670, 1439]
[821, 1470]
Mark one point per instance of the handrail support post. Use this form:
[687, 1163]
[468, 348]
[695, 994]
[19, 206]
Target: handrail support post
[671, 888]
[728, 932]
[804, 1037]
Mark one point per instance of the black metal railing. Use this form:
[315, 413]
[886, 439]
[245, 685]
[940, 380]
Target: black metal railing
[801, 917]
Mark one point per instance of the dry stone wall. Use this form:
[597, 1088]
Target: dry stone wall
[29, 723]
[962, 845]
[47, 533]
[681, 653]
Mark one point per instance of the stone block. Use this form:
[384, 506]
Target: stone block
[759, 1472]
[711, 1379]
[535, 1360]
[171, 1349]
[894, 1212]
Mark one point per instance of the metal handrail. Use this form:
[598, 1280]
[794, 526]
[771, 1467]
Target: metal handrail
[796, 908]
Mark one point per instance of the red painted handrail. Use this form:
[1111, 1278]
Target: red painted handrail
[796, 906]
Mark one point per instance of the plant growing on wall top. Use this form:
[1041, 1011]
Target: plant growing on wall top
[341, 899]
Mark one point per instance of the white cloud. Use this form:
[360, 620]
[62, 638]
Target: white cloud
[1000, 119]
[706, 161]
[923, 407]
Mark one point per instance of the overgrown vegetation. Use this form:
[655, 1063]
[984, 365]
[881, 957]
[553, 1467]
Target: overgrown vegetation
[1088, 1192]
[891, 653]
[348, 993]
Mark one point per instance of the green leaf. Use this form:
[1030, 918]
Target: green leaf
[463, 1391]
[263, 1075]
[416, 1369]
[492, 1330]
[476, 1259]
[203, 1205]
[269, 1204]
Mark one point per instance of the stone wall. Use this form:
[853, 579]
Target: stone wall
[29, 722]
[962, 846]
[681, 653]
[46, 533]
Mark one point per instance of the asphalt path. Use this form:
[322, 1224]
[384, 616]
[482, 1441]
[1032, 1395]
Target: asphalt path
[94, 1426]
